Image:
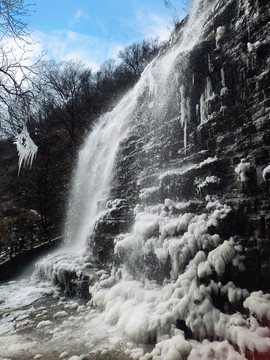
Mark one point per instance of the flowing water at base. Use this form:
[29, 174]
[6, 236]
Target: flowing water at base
[37, 322]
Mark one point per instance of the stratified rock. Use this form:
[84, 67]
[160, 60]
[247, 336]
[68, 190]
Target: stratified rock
[224, 95]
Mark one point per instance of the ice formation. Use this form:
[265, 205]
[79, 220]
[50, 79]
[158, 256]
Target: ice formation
[185, 113]
[242, 170]
[266, 173]
[221, 30]
[147, 310]
[207, 96]
[26, 148]
[204, 183]
[251, 47]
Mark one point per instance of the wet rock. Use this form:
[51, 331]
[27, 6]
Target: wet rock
[117, 219]
[225, 96]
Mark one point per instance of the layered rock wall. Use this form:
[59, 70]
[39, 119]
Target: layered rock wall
[218, 143]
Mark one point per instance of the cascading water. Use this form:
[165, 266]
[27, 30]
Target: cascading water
[165, 284]
[151, 99]
[92, 179]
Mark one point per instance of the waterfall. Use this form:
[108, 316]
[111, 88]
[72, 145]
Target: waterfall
[152, 100]
[167, 285]
[93, 175]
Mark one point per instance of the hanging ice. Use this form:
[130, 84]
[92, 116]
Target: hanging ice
[26, 148]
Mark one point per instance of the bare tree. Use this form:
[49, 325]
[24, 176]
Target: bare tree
[137, 55]
[12, 13]
[16, 66]
[175, 16]
[65, 91]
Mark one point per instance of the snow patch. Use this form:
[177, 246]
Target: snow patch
[258, 304]
[253, 46]
[266, 173]
[60, 315]
[208, 180]
[242, 170]
[43, 324]
[221, 30]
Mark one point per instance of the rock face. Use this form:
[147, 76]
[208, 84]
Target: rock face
[216, 145]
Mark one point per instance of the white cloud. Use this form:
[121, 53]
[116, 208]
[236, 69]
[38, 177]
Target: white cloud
[67, 44]
[23, 51]
[64, 45]
[149, 22]
[79, 14]
[153, 25]
[148, 25]
[26, 49]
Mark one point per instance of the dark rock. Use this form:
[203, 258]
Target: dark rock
[117, 219]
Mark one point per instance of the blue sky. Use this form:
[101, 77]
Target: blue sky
[93, 31]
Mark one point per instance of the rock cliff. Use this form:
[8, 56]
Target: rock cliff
[213, 144]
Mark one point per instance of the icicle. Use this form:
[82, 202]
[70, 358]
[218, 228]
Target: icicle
[186, 123]
[222, 72]
[209, 94]
[183, 108]
[26, 148]
[210, 65]
[185, 114]
[197, 110]
[202, 109]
